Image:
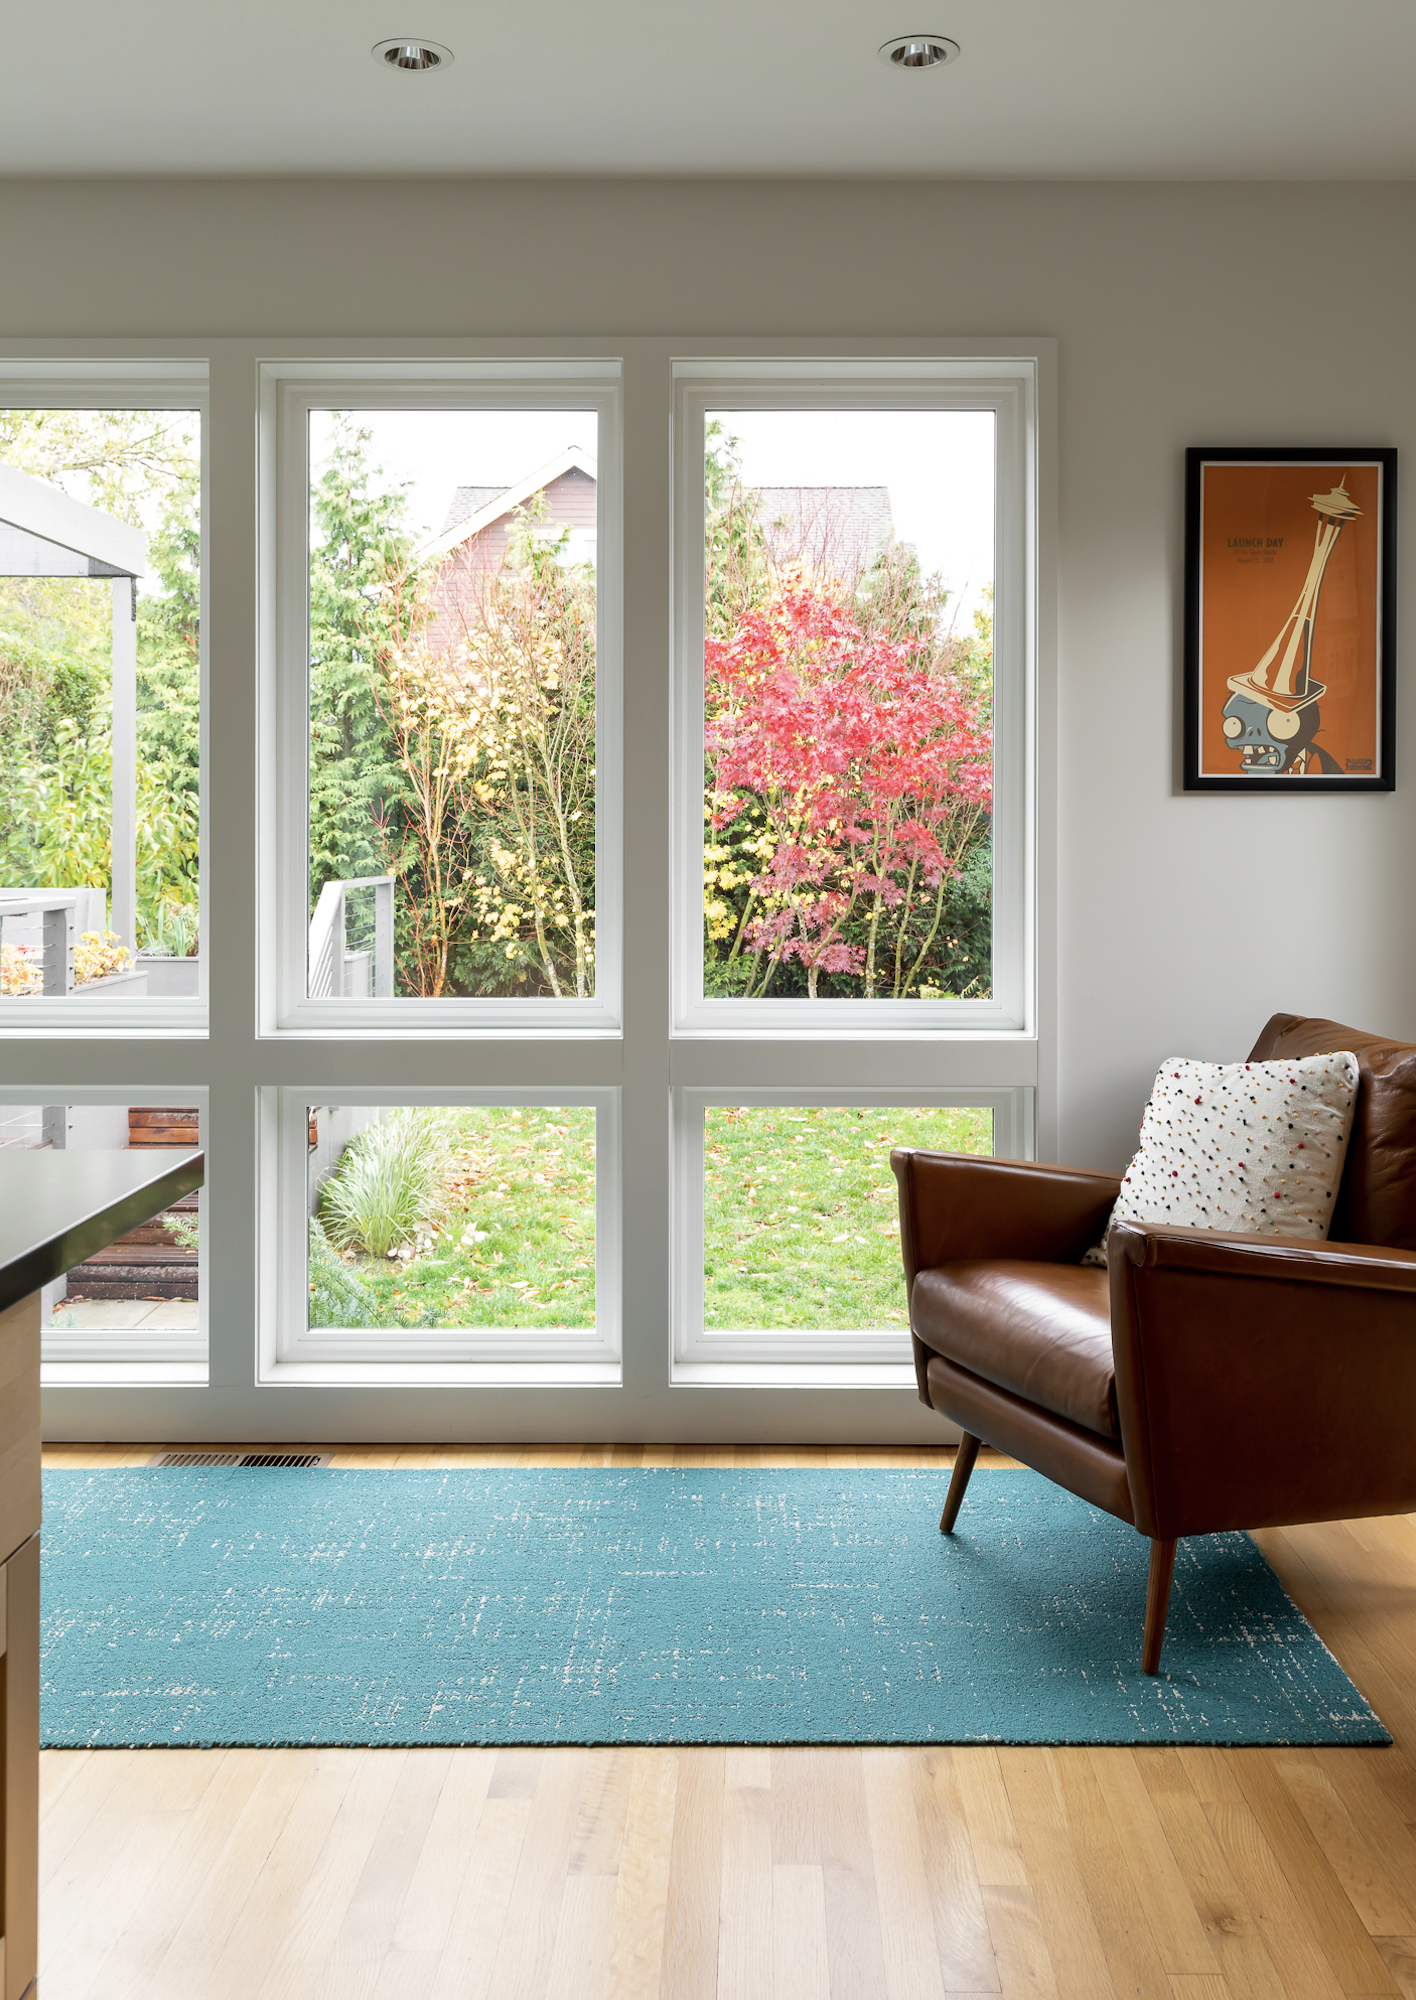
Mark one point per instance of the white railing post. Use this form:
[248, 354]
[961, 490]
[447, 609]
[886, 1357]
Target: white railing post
[125, 761]
[59, 949]
[56, 913]
[328, 950]
[383, 938]
[327, 943]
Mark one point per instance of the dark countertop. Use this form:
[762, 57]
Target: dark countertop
[58, 1206]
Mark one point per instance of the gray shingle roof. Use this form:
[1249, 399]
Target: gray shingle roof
[850, 524]
[470, 500]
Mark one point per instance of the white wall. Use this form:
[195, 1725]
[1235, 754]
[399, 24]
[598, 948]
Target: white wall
[1184, 314]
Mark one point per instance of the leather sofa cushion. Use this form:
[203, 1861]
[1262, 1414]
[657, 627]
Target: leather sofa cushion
[1077, 1459]
[1041, 1331]
[1376, 1202]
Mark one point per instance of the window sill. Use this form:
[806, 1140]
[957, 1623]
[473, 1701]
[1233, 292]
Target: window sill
[70, 1020]
[793, 1375]
[445, 1020]
[449, 1374]
[846, 1021]
[100, 1353]
[122, 1374]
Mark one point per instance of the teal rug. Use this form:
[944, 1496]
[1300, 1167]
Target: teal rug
[316, 1607]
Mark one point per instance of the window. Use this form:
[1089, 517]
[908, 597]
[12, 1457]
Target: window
[854, 554]
[101, 577]
[853, 668]
[450, 665]
[787, 1220]
[637, 754]
[478, 1227]
[139, 1302]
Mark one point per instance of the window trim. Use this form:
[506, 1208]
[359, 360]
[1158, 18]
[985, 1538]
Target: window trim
[696, 1348]
[291, 1351]
[1008, 386]
[362, 1403]
[288, 391]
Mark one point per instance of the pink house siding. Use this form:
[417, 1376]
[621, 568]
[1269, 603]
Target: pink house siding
[569, 503]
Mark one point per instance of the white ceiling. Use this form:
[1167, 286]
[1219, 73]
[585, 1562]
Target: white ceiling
[1215, 89]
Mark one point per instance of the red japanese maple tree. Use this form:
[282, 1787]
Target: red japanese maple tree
[863, 770]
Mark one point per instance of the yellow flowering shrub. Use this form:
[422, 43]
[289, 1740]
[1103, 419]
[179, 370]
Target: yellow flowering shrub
[98, 953]
[21, 969]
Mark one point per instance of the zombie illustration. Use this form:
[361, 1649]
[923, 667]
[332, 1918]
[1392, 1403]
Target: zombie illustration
[1271, 717]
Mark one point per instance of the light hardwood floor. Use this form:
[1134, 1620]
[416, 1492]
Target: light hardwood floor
[877, 1874]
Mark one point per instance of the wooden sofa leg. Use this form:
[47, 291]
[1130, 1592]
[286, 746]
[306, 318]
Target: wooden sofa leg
[963, 1466]
[1162, 1569]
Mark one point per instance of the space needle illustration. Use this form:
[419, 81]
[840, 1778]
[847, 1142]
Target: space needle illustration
[1271, 716]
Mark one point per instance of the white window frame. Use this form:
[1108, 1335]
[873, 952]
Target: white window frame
[124, 385]
[246, 1394]
[1008, 387]
[706, 1354]
[291, 1351]
[161, 1354]
[289, 391]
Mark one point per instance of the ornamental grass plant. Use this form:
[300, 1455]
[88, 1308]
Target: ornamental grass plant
[513, 1244]
[387, 1190]
[800, 1224]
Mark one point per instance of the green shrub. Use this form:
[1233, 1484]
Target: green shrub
[388, 1186]
[183, 1229]
[338, 1296]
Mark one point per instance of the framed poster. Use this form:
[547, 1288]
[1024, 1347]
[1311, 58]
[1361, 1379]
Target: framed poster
[1290, 587]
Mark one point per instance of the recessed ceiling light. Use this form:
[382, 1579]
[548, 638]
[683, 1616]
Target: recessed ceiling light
[412, 54]
[918, 51]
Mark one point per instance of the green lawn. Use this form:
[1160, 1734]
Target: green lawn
[525, 1177]
[799, 1216]
[799, 1219]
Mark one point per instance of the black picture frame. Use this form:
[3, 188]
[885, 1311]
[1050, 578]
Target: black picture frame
[1302, 708]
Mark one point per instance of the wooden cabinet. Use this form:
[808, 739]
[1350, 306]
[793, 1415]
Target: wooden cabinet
[57, 1208]
[19, 1637]
[19, 1768]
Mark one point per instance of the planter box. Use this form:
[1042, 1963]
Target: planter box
[171, 978]
[127, 985]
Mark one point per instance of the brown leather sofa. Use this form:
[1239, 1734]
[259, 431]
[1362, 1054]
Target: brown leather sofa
[1203, 1381]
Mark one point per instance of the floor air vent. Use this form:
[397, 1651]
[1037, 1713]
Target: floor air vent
[285, 1458]
[239, 1458]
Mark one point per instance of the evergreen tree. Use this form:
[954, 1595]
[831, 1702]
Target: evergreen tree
[169, 638]
[358, 541]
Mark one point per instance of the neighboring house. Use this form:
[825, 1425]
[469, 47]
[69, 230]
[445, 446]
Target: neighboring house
[474, 539]
[841, 529]
[838, 528]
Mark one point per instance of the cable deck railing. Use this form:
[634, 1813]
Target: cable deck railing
[337, 972]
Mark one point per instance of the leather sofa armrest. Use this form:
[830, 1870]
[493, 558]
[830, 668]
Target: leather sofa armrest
[956, 1205]
[1258, 1257]
[1262, 1380]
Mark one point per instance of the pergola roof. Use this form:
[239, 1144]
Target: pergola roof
[45, 533]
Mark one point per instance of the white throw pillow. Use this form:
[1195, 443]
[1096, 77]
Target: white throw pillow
[1256, 1148]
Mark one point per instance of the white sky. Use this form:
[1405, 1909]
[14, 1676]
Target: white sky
[938, 465]
[436, 451]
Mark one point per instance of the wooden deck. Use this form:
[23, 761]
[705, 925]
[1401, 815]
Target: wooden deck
[831, 1874]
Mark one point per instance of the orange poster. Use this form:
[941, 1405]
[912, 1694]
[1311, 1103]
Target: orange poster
[1288, 620]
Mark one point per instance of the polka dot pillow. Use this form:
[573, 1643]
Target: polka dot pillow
[1256, 1148]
